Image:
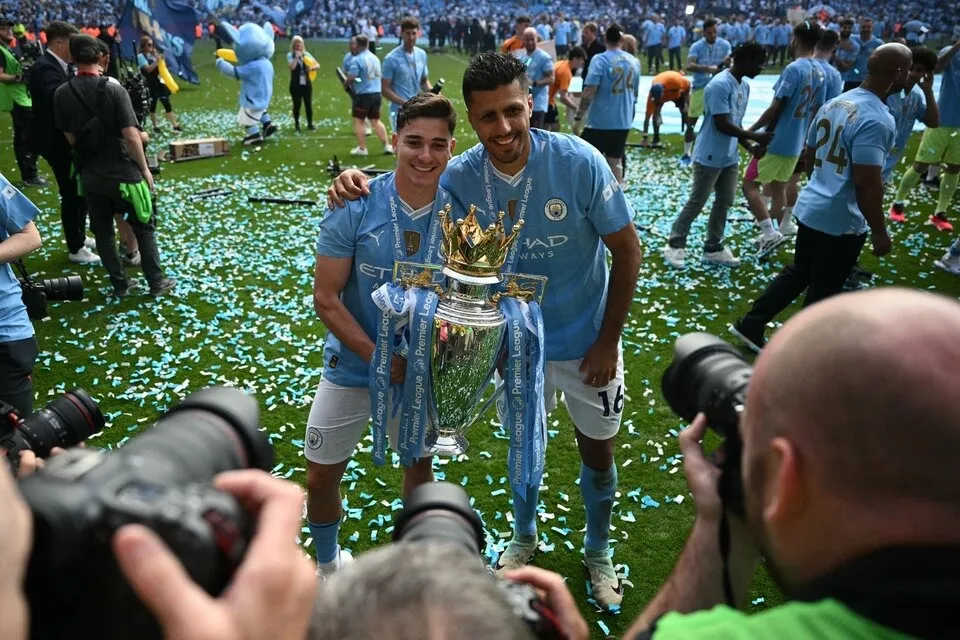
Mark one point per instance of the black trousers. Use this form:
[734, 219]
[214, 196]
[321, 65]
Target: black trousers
[26, 158]
[654, 57]
[675, 54]
[73, 208]
[302, 93]
[821, 264]
[102, 207]
[16, 366]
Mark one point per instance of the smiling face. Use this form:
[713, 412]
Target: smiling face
[423, 147]
[710, 33]
[530, 40]
[501, 118]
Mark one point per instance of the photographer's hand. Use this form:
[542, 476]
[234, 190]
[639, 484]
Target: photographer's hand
[703, 476]
[556, 595]
[30, 463]
[271, 594]
[16, 531]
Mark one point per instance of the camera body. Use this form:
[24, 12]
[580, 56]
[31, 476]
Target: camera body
[36, 293]
[438, 86]
[160, 479]
[30, 52]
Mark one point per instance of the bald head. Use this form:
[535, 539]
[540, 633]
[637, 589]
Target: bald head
[889, 59]
[865, 386]
[529, 38]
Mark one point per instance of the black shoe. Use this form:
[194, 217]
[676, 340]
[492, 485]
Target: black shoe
[311, 127]
[252, 140]
[296, 128]
[178, 129]
[133, 286]
[860, 273]
[753, 340]
[36, 181]
[933, 184]
[162, 287]
[269, 130]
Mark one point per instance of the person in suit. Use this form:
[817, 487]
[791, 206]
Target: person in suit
[49, 72]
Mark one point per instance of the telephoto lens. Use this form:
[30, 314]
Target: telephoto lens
[440, 512]
[65, 422]
[66, 288]
[161, 479]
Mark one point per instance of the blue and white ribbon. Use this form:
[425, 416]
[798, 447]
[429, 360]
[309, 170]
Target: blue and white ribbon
[523, 408]
[418, 385]
[394, 304]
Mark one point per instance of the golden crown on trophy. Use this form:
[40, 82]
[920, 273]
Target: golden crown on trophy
[471, 249]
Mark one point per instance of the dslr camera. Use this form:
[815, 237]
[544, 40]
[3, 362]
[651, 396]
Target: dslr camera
[160, 479]
[710, 376]
[36, 293]
[441, 512]
[65, 422]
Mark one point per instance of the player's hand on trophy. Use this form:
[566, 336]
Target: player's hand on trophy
[352, 184]
[599, 365]
[398, 370]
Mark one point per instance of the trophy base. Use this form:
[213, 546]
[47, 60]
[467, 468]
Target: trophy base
[445, 444]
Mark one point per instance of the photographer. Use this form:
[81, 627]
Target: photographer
[98, 120]
[49, 72]
[15, 99]
[849, 482]
[18, 347]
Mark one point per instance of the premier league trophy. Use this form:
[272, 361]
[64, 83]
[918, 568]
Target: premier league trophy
[468, 326]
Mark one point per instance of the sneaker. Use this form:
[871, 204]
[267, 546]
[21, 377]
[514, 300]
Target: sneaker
[932, 184]
[133, 286]
[860, 273]
[516, 556]
[768, 244]
[36, 181]
[852, 283]
[896, 212]
[388, 149]
[327, 569]
[84, 256]
[674, 257]
[753, 340]
[252, 140]
[269, 130]
[788, 228]
[949, 263]
[90, 243]
[604, 582]
[132, 259]
[939, 220]
[368, 131]
[357, 151]
[162, 287]
[722, 258]
[685, 160]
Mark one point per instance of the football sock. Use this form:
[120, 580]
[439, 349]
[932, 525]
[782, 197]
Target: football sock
[766, 226]
[598, 488]
[525, 511]
[932, 171]
[948, 186]
[687, 148]
[325, 540]
[911, 178]
[787, 213]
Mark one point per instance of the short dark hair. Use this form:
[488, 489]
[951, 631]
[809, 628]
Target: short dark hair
[748, 51]
[408, 23]
[590, 26]
[490, 70]
[828, 40]
[614, 33]
[847, 22]
[427, 105]
[362, 41]
[925, 56]
[808, 33]
[104, 48]
[84, 48]
[577, 52]
[523, 19]
[58, 30]
[709, 22]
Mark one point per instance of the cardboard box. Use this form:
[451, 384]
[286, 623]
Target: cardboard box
[181, 150]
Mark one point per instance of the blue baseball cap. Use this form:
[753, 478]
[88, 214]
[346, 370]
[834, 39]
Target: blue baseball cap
[656, 91]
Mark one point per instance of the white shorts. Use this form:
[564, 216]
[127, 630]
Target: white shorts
[338, 419]
[595, 411]
[249, 117]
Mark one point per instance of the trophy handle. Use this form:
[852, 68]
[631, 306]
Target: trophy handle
[485, 406]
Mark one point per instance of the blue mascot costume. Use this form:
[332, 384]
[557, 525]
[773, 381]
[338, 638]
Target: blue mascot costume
[254, 47]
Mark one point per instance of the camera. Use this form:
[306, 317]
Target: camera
[441, 512]
[710, 376]
[437, 86]
[30, 52]
[68, 420]
[161, 479]
[35, 294]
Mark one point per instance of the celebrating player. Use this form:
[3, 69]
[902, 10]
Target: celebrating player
[706, 58]
[539, 73]
[405, 71]
[358, 245]
[572, 207]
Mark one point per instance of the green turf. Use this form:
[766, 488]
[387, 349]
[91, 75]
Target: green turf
[243, 316]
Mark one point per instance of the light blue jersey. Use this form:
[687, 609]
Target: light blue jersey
[782, 34]
[764, 35]
[653, 34]
[543, 30]
[949, 101]
[913, 28]
[723, 96]
[855, 128]
[366, 67]
[561, 33]
[832, 81]
[363, 230]
[859, 71]
[568, 199]
[616, 75]
[346, 60]
[16, 212]
[849, 56]
[744, 32]
[406, 72]
[675, 36]
[702, 52]
[800, 86]
[906, 110]
[539, 65]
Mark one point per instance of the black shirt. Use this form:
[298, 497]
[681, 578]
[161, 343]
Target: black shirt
[102, 173]
[595, 48]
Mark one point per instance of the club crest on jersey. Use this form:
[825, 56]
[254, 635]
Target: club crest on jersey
[555, 209]
[411, 240]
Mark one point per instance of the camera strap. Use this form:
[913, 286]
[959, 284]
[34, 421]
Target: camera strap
[724, 541]
[18, 263]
